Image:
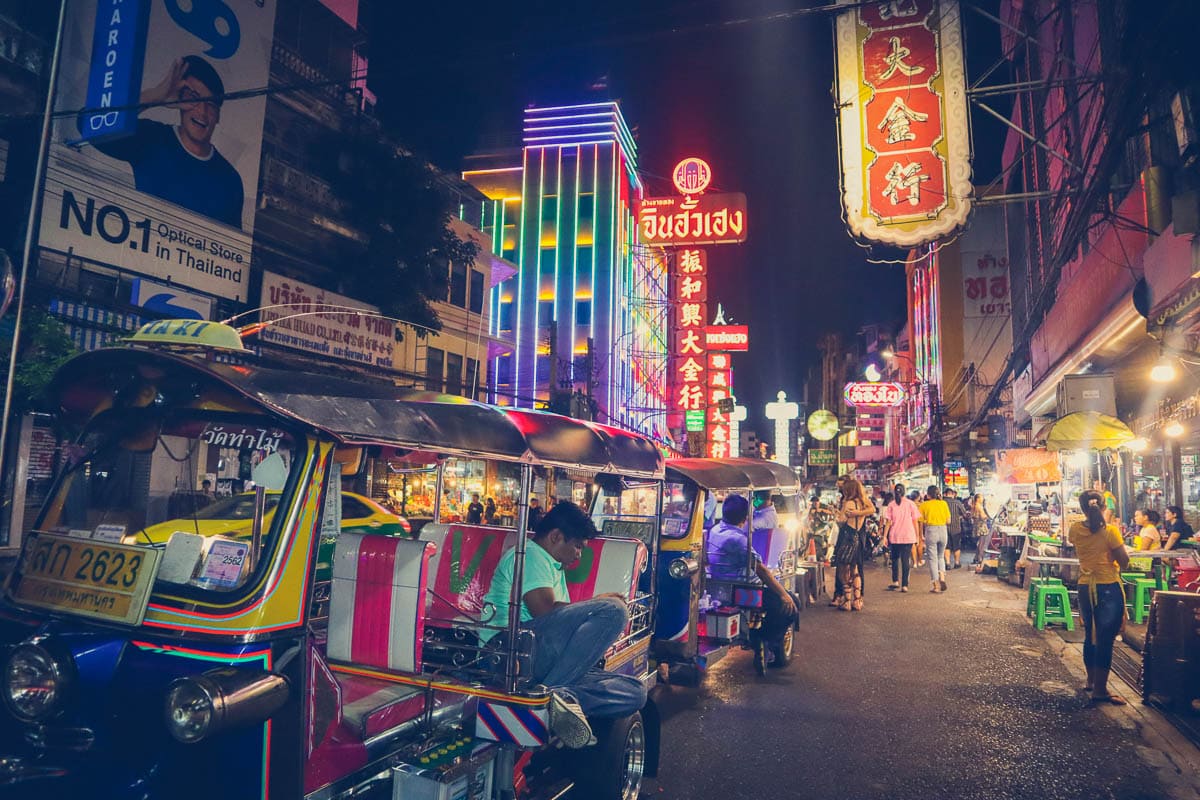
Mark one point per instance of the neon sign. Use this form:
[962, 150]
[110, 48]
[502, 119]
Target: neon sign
[905, 142]
[710, 219]
[873, 394]
[692, 176]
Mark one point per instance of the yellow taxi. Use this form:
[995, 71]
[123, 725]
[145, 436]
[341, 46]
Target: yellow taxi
[234, 516]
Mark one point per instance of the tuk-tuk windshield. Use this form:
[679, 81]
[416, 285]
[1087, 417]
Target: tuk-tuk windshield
[195, 484]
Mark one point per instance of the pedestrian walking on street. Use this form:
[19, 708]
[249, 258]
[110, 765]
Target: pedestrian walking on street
[935, 519]
[847, 555]
[981, 528]
[954, 534]
[900, 518]
[1101, 554]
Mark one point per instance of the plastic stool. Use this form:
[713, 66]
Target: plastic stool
[1046, 581]
[1139, 606]
[1052, 603]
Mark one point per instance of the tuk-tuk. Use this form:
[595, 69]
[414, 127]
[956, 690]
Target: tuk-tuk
[699, 618]
[296, 657]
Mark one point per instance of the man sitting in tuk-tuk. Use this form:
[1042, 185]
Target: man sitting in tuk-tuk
[569, 638]
[730, 558]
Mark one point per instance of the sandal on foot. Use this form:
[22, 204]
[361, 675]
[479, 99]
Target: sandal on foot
[1112, 699]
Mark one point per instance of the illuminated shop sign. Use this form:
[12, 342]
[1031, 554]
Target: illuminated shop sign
[708, 219]
[873, 394]
[905, 142]
[730, 338]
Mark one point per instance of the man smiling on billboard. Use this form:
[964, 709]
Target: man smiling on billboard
[179, 163]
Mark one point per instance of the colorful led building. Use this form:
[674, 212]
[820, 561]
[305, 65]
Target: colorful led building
[587, 309]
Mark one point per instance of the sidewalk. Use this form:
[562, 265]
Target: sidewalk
[1174, 757]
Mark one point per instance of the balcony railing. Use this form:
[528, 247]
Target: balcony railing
[300, 186]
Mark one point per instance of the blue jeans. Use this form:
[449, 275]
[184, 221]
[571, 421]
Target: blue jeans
[935, 551]
[1101, 616]
[568, 643]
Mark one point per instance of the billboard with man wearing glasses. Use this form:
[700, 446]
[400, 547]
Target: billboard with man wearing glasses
[157, 138]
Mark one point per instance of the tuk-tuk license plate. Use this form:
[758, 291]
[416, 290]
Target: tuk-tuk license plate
[96, 579]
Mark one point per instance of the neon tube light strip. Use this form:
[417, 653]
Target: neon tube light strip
[515, 372]
[537, 110]
[575, 264]
[557, 243]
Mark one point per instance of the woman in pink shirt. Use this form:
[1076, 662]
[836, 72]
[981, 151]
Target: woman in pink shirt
[899, 519]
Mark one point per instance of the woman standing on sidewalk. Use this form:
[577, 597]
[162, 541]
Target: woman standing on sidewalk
[847, 555]
[1102, 555]
[900, 518]
[935, 519]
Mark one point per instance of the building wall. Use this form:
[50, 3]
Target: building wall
[578, 308]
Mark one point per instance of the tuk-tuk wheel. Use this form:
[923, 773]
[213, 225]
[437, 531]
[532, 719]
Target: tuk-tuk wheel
[783, 650]
[615, 767]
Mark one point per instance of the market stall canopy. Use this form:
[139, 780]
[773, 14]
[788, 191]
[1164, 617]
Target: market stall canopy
[1085, 430]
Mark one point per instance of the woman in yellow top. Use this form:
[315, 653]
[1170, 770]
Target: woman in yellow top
[1148, 537]
[935, 517]
[1102, 556]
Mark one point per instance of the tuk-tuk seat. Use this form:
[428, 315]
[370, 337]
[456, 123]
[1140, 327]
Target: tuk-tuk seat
[376, 613]
[461, 570]
[607, 565]
[770, 543]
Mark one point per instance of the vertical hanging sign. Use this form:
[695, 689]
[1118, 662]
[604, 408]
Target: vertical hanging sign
[903, 122]
[689, 300]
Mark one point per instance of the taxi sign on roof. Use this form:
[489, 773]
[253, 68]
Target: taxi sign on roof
[191, 333]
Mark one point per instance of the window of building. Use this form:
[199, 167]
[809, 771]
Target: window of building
[472, 378]
[587, 204]
[504, 371]
[434, 369]
[458, 285]
[543, 369]
[477, 292]
[506, 316]
[583, 312]
[454, 366]
[545, 312]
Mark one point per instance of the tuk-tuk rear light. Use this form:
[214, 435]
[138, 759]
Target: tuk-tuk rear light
[35, 683]
[201, 705]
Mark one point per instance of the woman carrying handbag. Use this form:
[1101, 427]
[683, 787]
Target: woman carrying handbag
[848, 553]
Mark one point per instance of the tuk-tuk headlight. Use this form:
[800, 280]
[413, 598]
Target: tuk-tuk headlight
[189, 710]
[35, 683]
[682, 568]
[202, 705]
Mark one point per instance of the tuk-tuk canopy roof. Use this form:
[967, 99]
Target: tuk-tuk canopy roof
[362, 412]
[734, 473]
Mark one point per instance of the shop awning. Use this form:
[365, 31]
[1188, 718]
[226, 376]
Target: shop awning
[1085, 430]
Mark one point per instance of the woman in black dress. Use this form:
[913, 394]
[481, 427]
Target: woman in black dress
[847, 553]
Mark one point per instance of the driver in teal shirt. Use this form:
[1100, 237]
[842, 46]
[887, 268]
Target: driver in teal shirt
[569, 638]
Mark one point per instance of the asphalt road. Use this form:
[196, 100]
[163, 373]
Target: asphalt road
[917, 696]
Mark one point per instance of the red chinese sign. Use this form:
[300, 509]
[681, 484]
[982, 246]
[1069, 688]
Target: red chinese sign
[905, 144]
[719, 444]
[873, 394]
[688, 365]
[729, 338]
[706, 219]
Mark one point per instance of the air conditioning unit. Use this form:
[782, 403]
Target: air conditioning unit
[1091, 392]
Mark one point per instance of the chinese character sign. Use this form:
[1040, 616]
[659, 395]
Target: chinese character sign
[905, 143]
[873, 394]
[721, 441]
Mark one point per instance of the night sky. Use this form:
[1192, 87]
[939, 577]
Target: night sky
[752, 98]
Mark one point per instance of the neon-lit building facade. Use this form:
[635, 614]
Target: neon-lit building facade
[587, 309]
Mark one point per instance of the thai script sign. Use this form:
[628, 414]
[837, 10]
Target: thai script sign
[1027, 465]
[303, 317]
[729, 338]
[873, 394]
[707, 219]
[905, 143]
